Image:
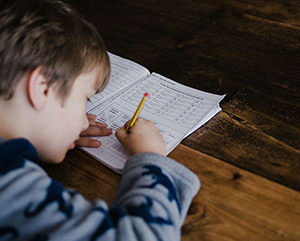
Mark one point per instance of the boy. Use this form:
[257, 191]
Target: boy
[51, 62]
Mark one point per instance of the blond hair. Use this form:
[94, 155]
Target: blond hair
[52, 35]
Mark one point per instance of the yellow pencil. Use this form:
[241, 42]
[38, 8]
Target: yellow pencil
[136, 114]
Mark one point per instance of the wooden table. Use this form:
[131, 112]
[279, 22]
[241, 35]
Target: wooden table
[248, 156]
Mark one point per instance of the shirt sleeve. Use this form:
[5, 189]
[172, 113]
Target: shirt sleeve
[151, 204]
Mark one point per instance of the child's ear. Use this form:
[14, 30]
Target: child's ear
[38, 89]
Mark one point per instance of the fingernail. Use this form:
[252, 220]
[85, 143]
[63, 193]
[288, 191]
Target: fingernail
[102, 125]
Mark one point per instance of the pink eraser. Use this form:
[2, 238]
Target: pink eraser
[146, 95]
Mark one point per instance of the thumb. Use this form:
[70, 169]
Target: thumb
[121, 134]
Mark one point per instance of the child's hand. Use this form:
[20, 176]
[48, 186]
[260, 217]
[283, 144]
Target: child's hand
[95, 129]
[143, 137]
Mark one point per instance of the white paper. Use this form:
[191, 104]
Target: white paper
[175, 109]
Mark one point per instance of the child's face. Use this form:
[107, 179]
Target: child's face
[66, 121]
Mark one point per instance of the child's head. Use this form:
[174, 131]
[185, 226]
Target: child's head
[49, 34]
[51, 61]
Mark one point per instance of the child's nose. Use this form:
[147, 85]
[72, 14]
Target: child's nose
[86, 123]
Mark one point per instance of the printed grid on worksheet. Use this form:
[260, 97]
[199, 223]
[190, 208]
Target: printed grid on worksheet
[168, 104]
[119, 78]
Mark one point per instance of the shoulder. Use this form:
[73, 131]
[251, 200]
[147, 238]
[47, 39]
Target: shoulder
[13, 154]
[19, 171]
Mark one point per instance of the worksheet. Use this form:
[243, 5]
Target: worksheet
[123, 74]
[175, 109]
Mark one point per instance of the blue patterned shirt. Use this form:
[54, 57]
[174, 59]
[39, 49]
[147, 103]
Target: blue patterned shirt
[151, 203]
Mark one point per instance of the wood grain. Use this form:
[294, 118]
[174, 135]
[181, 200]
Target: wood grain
[234, 204]
[240, 144]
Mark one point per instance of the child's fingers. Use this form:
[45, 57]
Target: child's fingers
[92, 121]
[96, 131]
[87, 142]
[121, 133]
[96, 123]
[126, 124]
[91, 116]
